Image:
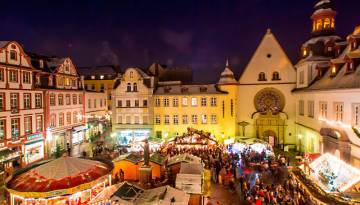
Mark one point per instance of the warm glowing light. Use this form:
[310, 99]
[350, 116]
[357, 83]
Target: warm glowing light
[333, 70]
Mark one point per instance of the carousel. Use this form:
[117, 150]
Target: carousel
[193, 139]
[63, 181]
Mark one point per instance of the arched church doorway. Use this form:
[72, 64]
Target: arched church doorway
[270, 137]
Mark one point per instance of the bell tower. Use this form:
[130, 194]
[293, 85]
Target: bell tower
[323, 18]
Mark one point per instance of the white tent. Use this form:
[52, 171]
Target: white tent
[164, 195]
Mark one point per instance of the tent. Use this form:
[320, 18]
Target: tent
[164, 195]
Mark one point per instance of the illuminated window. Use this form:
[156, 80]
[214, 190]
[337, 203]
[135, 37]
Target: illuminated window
[74, 99]
[356, 114]
[13, 76]
[193, 101]
[213, 119]
[185, 119]
[166, 102]
[2, 101]
[26, 77]
[167, 119]
[15, 127]
[184, 101]
[332, 23]
[157, 119]
[67, 99]
[339, 111]
[319, 24]
[52, 99]
[60, 99]
[305, 52]
[213, 102]
[61, 119]
[53, 120]
[68, 118]
[323, 110]
[39, 123]
[2, 129]
[327, 23]
[203, 119]
[27, 100]
[175, 102]
[333, 70]
[157, 102]
[27, 125]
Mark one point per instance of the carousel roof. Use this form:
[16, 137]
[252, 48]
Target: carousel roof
[61, 173]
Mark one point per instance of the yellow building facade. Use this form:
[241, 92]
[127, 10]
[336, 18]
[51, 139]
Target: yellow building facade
[207, 107]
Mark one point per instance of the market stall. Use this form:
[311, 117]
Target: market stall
[65, 180]
[334, 175]
[193, 139]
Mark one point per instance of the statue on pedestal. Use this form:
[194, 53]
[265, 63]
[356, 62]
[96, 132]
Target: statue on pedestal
[146, 152]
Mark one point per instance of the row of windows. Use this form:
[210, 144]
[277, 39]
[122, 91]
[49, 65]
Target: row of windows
[275, 76]
[338, 111]
[64, 81]
[184, 102]
[135, 120]
[102, 103]
[15, 126]
[131, 87]
[14, 76]
[185, 119]
[15, 101]
[136, 103]
[75, 99]
[102, 87]
[75, 117]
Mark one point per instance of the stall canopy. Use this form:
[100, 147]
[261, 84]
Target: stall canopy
[61, 173]
[164, 195]
[334, 175]
[187, 158]
[194, 137]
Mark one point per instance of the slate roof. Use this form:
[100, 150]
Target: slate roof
[180, 89]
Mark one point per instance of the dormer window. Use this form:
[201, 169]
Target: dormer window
[333, 71]
[276, 76]
[93, 77]
[262, 76]
[353, 45]
[305, 52]
[13, 55]
[203, 89]
[41, 63]
[101, 77]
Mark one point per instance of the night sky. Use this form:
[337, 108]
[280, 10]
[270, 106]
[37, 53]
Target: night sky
[200, 34]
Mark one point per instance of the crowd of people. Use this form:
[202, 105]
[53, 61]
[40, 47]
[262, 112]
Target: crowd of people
[289, 192]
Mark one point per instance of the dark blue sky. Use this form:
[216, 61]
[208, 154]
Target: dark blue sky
[196, 33]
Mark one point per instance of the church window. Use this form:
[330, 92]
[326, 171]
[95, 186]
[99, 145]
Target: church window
[276, 76]
[318, 24]
[327, 23]
[262, 76]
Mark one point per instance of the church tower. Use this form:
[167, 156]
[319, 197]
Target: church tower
[323, 18]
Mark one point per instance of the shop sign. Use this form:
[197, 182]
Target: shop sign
[36, 136]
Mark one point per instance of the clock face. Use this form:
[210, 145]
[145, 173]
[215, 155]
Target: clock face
[269, 100]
